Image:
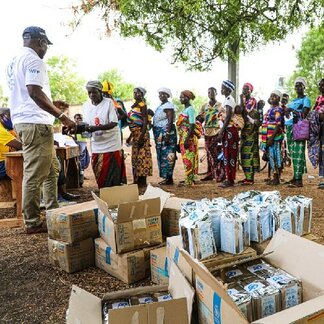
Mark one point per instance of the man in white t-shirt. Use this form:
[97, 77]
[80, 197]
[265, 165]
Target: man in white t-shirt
[107, 159]
[33, 114]
[229, 135]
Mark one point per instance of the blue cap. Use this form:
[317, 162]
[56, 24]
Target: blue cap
[34, 32]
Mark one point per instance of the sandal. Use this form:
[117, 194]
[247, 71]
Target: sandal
[242, 181]
[273, 182]
[247, 182]
[321, 185]
[296, 184]
[226, 184]
[166, 182]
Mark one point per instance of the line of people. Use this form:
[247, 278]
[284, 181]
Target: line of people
[33, 113]
[228, 129]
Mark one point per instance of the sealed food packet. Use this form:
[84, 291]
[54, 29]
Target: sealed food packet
[235, 229]
[142, 299]
[302, 208]
[113, 304]
[265, 297]
[291, 289]
[162, 296]
[241, 298]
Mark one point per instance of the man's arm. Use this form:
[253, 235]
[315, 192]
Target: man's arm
[41, 99]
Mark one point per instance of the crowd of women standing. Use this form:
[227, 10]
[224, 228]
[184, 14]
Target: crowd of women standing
[230, 131]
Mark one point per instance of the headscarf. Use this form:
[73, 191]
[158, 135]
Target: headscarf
[141, 89]
[249, 85]
[165, 90]
[277, 93]
[188, 94]
[107, 87]
[94, 84]
[300, 80]
[229, 85]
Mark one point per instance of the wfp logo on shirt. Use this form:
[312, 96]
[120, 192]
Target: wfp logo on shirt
[35, 71]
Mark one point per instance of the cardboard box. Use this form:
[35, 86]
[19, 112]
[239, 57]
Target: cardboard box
[73, 223]
[126, 223]
[260, 247]
[128, 267]
[159, 266]
[170, 216]
[300, 257]
[85, 308]
[71, 257]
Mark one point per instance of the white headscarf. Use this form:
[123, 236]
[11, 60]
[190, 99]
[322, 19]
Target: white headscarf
[300, 80]
[277, 93]
[165, 90]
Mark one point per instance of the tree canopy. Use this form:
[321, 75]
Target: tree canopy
[122, 89]
[201, 30]
[310, 62]
[65, 83]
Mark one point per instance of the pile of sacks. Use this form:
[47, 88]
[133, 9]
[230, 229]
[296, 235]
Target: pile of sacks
[250, 216]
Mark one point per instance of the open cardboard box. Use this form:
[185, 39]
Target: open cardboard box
[300, 257]
[138, 222]
[85, 308]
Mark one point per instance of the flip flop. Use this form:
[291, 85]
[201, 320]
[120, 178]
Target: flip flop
[226, 184]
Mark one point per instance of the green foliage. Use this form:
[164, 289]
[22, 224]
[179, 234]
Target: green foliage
[310, 62]
[3, 99]
[122, 89]
[65, 83]
[201, 30]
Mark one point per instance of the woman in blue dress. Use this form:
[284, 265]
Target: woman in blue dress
[165, 136]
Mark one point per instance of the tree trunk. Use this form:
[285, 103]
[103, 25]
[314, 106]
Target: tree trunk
[233, 68]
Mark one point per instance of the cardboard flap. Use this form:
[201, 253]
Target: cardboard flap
[154, 192]
[102, 206]
[83, 308]
[300, 257]
[179, 287]
[311, 311]
[230, 312]
[114, 196]
[138, 209]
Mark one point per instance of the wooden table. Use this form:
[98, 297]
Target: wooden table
[70, 157]
[14, 169]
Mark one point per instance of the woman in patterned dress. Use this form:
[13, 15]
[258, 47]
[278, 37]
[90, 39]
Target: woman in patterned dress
[138, 122]
[250, 157]
[165, 136]
[316, 140]
[299, 107]
[188, 138]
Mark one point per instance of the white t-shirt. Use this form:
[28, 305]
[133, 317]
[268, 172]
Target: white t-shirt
[27, 68]
[107, 140]
[229, 101]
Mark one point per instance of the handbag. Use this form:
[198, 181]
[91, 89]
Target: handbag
[301, 130]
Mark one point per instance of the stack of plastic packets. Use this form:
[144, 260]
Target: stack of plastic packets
[251, 196]
[215, 211]
[290, 288]
[241, 298]
[234, 229]
[196, 230]
[283, 217]
[261, 219]
[302, 209]
[265, 297]
[236, 292]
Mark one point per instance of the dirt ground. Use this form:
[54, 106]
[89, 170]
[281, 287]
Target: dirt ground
[33, 291]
